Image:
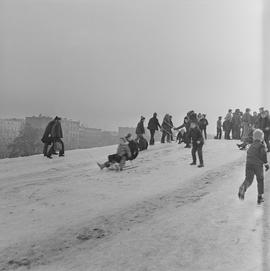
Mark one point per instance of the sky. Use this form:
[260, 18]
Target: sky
[107, 62]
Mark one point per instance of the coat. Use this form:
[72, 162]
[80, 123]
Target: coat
[140, 129]
[47, 138]
[153, 124]
[196, 135]
[57, 132]
[124, 150]
[203, 123]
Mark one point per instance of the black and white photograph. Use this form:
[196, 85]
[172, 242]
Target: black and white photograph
[134, 135]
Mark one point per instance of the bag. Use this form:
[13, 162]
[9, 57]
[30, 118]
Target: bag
[57, 146]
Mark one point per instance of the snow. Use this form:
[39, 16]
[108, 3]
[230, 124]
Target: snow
[161, 215]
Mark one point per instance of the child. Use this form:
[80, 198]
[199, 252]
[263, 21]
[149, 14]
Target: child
[181, 136]
[197, 143]
[256, 158]
[123, 154]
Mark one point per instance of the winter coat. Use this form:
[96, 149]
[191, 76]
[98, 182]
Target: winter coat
[140, 129]
[203, 123]
[124, 150]
[266, 125]
[196, 135]
[57, 130]
[247, 118]
[167, 124]
[134, 149]
[219, 124]
[47, 138]
[236, 120]
[228, 117]
[153, 124]
[256, 154]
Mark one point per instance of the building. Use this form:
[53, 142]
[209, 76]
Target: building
[71, 131]
[10, 129]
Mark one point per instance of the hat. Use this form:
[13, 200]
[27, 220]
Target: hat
[129, 135]
[57, 118]
[258, 135]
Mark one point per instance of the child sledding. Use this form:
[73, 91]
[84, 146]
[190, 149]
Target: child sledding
[127, 150]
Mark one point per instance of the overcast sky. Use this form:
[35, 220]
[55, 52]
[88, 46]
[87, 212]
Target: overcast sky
[106, 62]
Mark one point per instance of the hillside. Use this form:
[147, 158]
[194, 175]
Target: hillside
[66, 214]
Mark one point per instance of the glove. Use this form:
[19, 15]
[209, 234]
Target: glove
[266, 167]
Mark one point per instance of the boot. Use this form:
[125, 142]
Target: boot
[200, 165]
[241, 193]
[260, 199]
[101, 166]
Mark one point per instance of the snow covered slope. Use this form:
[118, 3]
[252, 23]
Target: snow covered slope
[66, 214]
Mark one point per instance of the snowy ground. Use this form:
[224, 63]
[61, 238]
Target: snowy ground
[65, 214]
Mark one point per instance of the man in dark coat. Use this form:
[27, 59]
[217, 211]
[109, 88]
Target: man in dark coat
[203, 123]
[236, 124]
[56, 135]
[153, 126]
[47, 138]
[196, 136]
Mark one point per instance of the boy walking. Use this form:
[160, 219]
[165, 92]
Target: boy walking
[196, 136]
[256, 158]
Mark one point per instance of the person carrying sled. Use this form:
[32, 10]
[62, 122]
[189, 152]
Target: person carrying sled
[256, 159]
[56, 137]
[153, 126]
[197, 139]
[247, 141]
[126, 150]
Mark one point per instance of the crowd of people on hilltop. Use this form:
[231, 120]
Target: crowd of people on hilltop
[192, 132]
[240, 126]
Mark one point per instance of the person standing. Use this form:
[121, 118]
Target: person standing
[140, 130]
[56, 135]
[236, 124]
[228, 124]
[153, 126]
[203, 123]
[219, 128]
[196, 136]
[266, 128]
[166, 128]
[247, 123]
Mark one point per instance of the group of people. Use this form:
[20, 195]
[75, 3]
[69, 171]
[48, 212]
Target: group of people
[192, 132]
[240, 126]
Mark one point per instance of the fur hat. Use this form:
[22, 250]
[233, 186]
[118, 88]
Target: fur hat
[258, 135]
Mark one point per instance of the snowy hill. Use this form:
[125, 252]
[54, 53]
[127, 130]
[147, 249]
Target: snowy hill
[163, 214]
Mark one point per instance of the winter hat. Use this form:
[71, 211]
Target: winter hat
[258, 135]
[129, 135]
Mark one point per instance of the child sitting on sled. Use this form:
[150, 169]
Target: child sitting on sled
[256, 158]
[127, 150]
